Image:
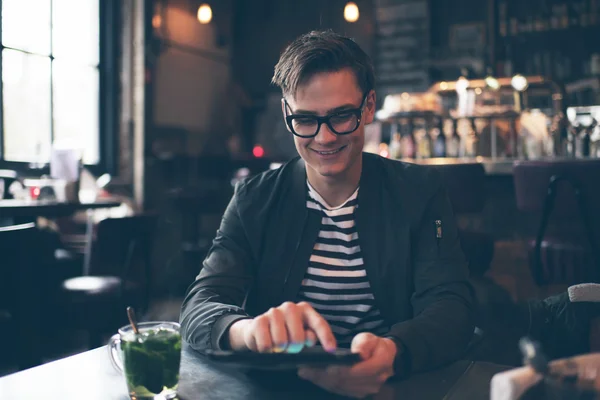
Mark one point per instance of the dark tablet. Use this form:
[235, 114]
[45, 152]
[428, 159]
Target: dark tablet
[314, 357]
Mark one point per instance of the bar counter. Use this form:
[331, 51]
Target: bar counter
[493, 166]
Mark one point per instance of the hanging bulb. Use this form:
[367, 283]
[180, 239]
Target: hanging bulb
[519, 83]
[204, 14]
[156, 21]
[351, 12]
[491, 81]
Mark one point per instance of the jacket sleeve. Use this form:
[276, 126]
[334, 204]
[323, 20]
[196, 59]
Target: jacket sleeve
[214, 301]
[442, 301]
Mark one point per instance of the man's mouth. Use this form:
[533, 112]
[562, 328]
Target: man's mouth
[329, 152]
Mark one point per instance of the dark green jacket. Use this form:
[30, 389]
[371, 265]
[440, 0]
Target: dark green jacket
[262, 249]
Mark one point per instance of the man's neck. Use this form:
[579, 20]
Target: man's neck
[335, 190]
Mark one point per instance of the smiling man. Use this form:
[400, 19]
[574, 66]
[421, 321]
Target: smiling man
[338, 246]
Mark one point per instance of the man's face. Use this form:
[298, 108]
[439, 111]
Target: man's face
[328, 93]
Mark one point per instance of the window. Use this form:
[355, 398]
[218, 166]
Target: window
[50, 67]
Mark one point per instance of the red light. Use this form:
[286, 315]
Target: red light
[384, 153]
[258, 151]
[34, 192]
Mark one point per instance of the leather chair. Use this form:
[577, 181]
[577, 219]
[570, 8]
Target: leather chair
[24, 259]
[117, 274]
[566, 251]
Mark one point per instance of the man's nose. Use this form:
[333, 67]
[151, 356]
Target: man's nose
[325, 135]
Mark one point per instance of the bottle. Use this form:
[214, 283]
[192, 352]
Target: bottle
[572, 141]
[565, 16]
[584, 141]
[546, 16]
[555, 136]
[523, 17]
[595, 141]
[466, 148]
[538, 24]
[407, 145]
[584, 15]
[439, 146]
[529, 18]
[423, 144]
[395, 147]
[563, 135]
[510, 144]
[473, 140]
[502, 18]
[454, 142]
[595, 64]
[548, 140]
[555, 17]
[513, 24]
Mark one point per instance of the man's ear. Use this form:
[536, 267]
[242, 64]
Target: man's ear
[283, 113]
[371, 102]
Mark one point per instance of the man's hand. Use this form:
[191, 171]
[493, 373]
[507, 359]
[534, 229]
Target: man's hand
[288, 327]
[362, 379]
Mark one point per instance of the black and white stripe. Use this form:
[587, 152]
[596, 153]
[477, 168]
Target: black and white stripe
[336, 282]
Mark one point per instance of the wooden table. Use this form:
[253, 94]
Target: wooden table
[90, 375]
[50, 208]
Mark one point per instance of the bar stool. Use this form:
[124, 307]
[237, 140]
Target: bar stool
[569, 190]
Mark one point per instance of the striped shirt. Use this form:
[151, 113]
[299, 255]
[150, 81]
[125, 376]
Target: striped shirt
[336, 282]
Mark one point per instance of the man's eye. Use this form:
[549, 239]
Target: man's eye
[343, 117]
[304, 121]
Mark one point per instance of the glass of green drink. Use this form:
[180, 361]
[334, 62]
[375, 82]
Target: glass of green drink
[149, 360]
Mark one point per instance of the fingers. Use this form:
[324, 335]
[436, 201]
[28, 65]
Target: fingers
[365, 344]
[380, 364]
[289, 327]
[261, 334]
[314, 321]
[294, 325]
[278, 330]
[364, 378]
[311, 338]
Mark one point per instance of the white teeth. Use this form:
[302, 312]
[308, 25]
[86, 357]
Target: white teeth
[325, 153]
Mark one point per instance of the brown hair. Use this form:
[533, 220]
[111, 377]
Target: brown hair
[321, 51]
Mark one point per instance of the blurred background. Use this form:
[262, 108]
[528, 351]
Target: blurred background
[125, 125]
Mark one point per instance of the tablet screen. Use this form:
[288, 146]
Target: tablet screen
[314, 356]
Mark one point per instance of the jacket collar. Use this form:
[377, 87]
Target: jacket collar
[370, 181]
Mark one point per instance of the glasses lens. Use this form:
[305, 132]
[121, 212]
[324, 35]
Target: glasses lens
[344, 122]
[305, 126]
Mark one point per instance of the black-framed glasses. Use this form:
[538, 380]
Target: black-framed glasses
[341, 122]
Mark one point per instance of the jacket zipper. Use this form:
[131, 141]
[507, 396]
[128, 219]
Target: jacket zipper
[289, 271]
[438, 233]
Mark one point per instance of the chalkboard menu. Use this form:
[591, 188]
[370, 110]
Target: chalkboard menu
[401, 53]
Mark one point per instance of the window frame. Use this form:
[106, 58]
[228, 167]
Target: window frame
[108, 69]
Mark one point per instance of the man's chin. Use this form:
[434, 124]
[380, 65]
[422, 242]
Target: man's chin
[331, 171]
